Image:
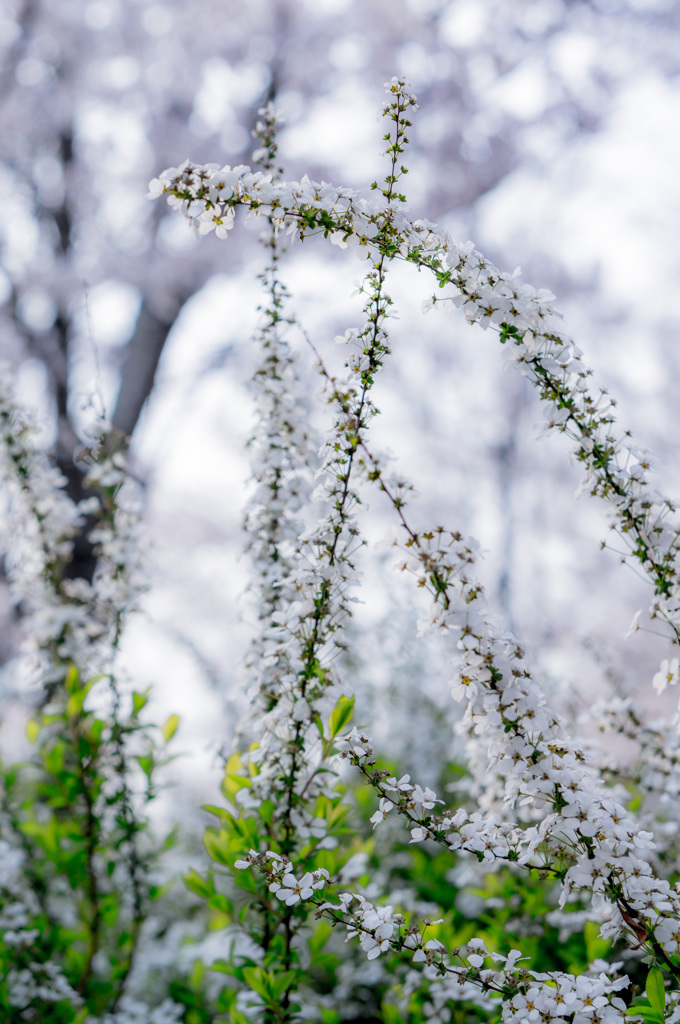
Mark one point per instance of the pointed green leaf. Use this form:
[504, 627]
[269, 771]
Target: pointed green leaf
[656, 992]
[72, 679]
[340, 715]
[217, 845]
[236, 1017]
[139, 700]
[256, 979]
[648, 1013]
[170, 727]
[267, 808]
[280, 983]
[218, 901]
[196, 883]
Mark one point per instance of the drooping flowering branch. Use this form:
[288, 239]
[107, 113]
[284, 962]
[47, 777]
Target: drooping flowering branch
[610, 863]
[527, 323]
[588, 839]
[482, 978]
[572, 828]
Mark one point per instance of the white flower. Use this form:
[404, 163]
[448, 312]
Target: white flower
[668, 674]
[426, 797]
[156, 188]
[384, 807]
[477, 952]
[635, 624]
[290, 891]
[668, 934]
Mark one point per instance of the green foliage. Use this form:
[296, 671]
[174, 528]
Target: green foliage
[77, 812]
[170, 727]
[340, 716]
[651, 1009]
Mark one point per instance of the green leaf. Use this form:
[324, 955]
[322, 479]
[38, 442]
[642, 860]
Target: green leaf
[32, 730]
[390, 1014]
[340, 715]
[319, 937]
[218, 846]
[656, 992]
[256, 979]
[170, 727]
[54, 759]
[647, 1012]
[280, 983]
[109, 907]
[316, 719]
[213, 809]
[71, 680]
[271, 985]
[233, 779]
[196, 883]
[222, 904]
[236, 1017]
[267, 808]
[223, 966]
[139, 700]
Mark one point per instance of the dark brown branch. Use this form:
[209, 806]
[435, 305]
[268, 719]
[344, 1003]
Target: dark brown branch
[140, 364]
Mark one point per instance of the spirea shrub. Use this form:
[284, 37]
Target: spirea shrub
[335, 887]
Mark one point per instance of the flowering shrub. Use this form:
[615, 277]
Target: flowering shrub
[547, 891]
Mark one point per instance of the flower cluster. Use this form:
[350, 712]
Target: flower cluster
[375, 926]
[540, 802]
[651, 772]
[655, 767]
[302, 576]
[306, 576]
[283, 452]
[526, 995]
[135, 1011]
[585, 835]
[45, 523]
[280, 878]
[73, 621]
[72, 817]
[34, 980]
[474, 832]
[563, 997]
[527, 322]
[44, 983]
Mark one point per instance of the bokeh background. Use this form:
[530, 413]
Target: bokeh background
[548, 133]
